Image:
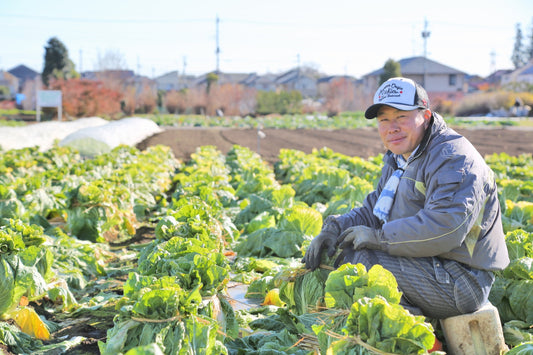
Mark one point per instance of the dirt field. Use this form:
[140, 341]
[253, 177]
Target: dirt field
[358, 142]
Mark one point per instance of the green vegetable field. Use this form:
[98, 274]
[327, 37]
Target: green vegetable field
[147, 251]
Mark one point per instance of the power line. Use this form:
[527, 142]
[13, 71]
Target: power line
[81, 19]
[217, 51]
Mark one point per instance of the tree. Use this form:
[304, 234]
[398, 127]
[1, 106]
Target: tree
[57, 64]
[85, 98]
[391, 69]
[339, 96]
[529, 49]
[111, 60]
[212, 79]
[518, 56]
[282, 102]
[146, 100]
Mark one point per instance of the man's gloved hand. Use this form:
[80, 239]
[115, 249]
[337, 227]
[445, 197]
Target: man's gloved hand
[326, 239]
[360, 237]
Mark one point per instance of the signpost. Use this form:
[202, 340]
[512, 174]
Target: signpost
[49, 98]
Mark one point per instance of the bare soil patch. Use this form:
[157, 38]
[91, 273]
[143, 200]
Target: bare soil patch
[354, 142]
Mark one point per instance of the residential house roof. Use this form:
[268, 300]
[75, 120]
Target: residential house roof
[522, 74]
[415, 66]
[329, 79]
[528, 69]
[117, 74]
[23, 72]
[225, 78]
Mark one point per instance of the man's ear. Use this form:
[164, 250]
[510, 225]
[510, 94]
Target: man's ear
[427, 118]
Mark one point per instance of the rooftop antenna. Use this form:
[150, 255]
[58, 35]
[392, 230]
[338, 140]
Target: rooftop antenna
[425, 36]
[217, 52]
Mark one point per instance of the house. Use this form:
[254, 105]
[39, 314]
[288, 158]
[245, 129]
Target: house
[495, 79]
[520, 76]
[265, 82]
[174, 81]
[296, 79]
[440, 81]
[24, 74]
[223, 78]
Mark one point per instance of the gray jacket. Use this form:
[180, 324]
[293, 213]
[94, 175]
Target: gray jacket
[446, 204]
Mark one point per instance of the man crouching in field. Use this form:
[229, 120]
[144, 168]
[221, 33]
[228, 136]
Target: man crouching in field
[434, 220]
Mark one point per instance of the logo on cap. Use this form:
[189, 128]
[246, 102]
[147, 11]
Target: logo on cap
[390, 90]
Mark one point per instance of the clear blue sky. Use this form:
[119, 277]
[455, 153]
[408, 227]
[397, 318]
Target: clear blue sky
[352, 37]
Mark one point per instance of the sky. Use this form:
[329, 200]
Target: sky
[348, 37]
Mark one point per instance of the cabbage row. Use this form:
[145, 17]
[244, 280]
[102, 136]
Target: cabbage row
[148, 250]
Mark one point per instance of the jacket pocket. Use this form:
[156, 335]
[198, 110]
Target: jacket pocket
[447, 185]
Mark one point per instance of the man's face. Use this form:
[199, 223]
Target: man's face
[402, 131]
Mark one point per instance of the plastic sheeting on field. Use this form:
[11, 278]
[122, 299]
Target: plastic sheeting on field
[91, 141]
[43, 134]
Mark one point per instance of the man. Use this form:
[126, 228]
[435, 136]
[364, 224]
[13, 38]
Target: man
[434, 220]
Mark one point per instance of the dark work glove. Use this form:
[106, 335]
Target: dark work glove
[326, 239]
[360, 237]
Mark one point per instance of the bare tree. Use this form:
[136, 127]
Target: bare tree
[112, 59]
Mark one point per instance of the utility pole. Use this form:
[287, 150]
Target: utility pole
[425, 36]
[182, 77]
[81, 66]
[217, 51]
[492, 62]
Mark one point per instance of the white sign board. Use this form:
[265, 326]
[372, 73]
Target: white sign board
[49, 98]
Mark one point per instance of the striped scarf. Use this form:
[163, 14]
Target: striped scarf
[385, 199]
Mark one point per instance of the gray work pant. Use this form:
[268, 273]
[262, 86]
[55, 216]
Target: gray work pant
[431, 286]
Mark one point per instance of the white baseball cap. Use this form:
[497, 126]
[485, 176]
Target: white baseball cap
[401, 93]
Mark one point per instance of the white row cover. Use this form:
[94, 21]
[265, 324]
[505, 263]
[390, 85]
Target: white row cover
[90, 135]
[43, 134]
[95, 140]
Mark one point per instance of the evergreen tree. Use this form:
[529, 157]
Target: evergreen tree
[518, 57]
[391, 69]
[56, 62]
[529, 50]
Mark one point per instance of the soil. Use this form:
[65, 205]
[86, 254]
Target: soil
[354, 142]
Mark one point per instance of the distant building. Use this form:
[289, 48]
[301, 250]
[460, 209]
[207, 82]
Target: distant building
[522, 75]
[295, 79]
[23, 74]
[440, 81]
[174, 81]
[265, 82]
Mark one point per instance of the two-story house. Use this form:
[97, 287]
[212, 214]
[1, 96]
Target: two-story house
[440, 81]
